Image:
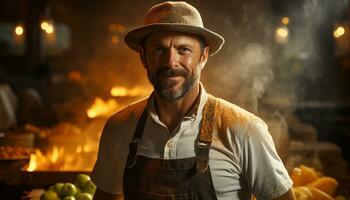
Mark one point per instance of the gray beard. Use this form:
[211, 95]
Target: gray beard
[163, 91]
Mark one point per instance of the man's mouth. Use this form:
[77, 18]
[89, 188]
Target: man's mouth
[170, 78]
[172, 72]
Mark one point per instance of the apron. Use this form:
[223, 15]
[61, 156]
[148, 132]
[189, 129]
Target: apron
[176, 179]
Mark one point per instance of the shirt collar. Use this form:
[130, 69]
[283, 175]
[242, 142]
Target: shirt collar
[195, 111]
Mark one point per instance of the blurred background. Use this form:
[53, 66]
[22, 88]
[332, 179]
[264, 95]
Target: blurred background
[64, 68]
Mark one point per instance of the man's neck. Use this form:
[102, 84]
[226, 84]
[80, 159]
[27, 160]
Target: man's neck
[171, 112]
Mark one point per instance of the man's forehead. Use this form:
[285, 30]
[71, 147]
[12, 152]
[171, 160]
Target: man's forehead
[164, 36]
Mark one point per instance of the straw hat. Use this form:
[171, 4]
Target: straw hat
[176, 16]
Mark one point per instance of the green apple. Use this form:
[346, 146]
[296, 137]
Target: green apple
[89, 187]
[57, 187]
[49, 195]
[69, 198]
[68, 189]
[84, 196]
[81, 179]
[78, 191]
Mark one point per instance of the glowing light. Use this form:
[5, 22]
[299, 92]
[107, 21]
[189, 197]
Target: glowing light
[32, 163]
[112, 27]
[47, 26]
[44, 25]
[282, 32]
[115, 39]
[340, 31]
[75, 75]
[19, 30]
[102, 108]
[60, 158]
[285, 20]
[49, 29]
[79, 149]
[121, 28]
[118, 91]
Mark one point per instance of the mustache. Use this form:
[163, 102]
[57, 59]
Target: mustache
[171, 72]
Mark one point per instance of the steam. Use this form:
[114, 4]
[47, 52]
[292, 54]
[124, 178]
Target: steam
[256, 71]
[251, 70]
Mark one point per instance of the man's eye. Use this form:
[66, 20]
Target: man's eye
[159, 50]
[185, 50]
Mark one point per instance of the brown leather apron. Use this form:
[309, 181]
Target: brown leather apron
[177, 179]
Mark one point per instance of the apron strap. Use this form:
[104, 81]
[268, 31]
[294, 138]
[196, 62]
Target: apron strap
[205, 134]
[136, 140]
[202, 145]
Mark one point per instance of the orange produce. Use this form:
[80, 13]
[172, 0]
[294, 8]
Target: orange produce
[319, 195]
[325, 184]
[302, 193]
[303, 175]
[307, 193]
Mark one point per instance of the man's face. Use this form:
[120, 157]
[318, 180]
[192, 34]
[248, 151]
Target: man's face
[174, 62]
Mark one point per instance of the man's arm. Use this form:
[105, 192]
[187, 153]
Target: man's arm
[102, 195]
[289, 195]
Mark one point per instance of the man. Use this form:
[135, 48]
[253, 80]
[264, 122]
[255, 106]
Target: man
[182, 143]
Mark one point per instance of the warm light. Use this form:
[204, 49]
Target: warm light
[112, 27]
[138, 91]
[79, 149]
[118, 91]
[116, 27]
[49, 29]
[121, 28]
[282, 32]
[340, 31]
[19, 30]
[44, 25]
[47, 26]
[88, 148]
[55, 154]
[115, 39]
[281, 35]
[102, 108]
[75, 75]
[60, 158]
[285, 20]
[32, 163]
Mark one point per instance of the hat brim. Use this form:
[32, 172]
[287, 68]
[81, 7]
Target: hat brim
[135, 37]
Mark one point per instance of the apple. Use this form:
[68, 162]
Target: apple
[84, 196]
[89, 187]
[49, 195]
[57, 187]
[81, 179]
[69, 198]
[68, 189]
[78, 191]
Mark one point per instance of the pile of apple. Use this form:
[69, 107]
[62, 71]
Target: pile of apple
[82, 189]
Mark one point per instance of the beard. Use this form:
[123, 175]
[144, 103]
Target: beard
[164, 88]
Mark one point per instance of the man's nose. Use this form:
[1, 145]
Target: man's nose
[172, 58]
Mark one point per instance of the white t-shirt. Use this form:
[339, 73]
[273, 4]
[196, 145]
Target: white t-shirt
[242, 159]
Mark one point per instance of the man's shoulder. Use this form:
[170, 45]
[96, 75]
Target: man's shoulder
[231, 114]
[132, 111]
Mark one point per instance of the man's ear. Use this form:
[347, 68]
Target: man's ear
[204, 57]
[142, 56]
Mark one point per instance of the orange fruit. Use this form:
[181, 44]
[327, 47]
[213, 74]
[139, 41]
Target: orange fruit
[325, 184]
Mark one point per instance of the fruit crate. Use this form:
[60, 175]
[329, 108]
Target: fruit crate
[16, 184]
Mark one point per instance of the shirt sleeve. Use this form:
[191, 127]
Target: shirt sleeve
[107, 173]
[262, 168]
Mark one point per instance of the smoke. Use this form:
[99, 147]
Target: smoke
[252, 75]
[244, 68]
[251, 70]
[254, 70]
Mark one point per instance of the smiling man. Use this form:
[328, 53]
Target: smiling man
[181, 142]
